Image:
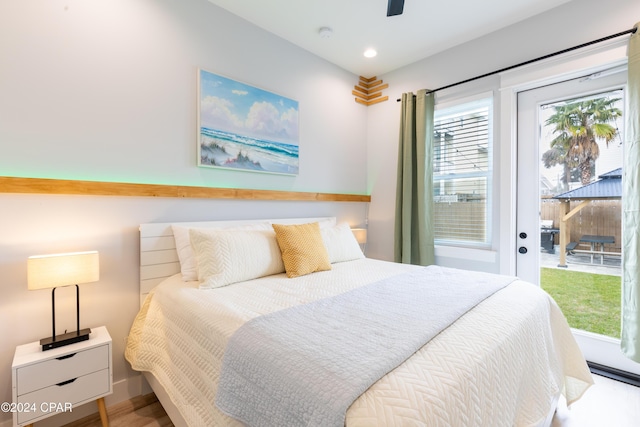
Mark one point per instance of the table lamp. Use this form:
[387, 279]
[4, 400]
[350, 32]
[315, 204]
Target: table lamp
[361, 236]
[51, 271]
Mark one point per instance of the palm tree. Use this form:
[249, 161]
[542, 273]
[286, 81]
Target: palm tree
[578, 127]
[557, 154]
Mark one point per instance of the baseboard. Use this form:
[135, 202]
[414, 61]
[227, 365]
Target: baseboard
[122, 390]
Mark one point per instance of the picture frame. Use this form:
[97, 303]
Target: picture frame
[242, 127]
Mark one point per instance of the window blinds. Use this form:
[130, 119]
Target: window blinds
[462, 171]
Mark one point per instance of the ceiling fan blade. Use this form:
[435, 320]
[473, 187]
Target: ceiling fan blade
[395, 7]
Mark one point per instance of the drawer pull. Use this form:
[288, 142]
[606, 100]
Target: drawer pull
[67, 356]
[66, 382]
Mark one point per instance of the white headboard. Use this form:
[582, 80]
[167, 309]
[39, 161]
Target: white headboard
[158, 256]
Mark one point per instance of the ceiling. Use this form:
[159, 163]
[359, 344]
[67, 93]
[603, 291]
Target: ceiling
[422, 30]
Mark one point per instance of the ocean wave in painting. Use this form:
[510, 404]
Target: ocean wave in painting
[225, 149]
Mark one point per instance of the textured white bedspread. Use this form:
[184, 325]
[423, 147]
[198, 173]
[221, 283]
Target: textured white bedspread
[501, 364]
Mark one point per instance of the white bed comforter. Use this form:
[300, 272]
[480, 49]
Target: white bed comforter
[499, 365]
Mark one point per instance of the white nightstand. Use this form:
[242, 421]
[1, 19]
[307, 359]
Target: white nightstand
[49, 382]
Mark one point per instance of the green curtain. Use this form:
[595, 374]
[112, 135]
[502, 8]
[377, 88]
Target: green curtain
[413, 243]
[630, 336]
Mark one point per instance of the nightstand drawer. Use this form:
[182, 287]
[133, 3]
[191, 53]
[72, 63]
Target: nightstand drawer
[81, 389]
[54, 371]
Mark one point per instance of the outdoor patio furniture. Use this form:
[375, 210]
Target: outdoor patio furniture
[607, 187]
[597, 241]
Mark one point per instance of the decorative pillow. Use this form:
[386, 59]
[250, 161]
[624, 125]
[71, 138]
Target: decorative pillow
[341, 244]
[302, 248]
[188, 265]
[327, 223]
[229, 256]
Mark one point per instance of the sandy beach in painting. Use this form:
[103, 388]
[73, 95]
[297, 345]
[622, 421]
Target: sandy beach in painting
[229, 150]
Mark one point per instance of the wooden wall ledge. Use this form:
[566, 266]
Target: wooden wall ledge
[95, 188]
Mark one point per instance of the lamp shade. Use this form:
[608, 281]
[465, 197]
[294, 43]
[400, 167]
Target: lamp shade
[360, 234]
[50, 271]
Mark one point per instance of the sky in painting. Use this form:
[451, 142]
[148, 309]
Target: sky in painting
[235, 107]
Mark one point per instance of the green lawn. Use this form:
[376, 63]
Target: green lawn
[590, 302]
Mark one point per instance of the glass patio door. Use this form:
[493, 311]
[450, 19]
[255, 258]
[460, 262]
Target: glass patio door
[569, 205]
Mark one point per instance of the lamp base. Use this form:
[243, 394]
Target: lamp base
[64, 339]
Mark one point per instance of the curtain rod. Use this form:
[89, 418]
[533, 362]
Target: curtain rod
[560, 52]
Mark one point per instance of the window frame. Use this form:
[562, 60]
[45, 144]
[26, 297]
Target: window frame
[455, 107]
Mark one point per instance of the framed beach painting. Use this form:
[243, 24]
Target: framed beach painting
[241, 127]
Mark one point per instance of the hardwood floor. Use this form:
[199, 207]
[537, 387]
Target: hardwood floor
[607, 403]
[141, 411]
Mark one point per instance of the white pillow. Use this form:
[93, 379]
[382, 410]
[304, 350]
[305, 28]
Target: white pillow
[327, 223]
[228, 256]
[188, 265]
[341, 244]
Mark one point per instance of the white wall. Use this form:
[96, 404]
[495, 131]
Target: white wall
[105, 90]
[571, 24]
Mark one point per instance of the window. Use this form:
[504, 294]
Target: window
[462, 170]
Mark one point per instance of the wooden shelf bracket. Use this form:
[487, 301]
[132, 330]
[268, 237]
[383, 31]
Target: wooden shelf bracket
[368, 91]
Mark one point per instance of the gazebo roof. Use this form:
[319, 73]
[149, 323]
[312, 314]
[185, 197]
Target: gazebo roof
[608, 186]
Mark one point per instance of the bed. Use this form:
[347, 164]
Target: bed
[503, 362]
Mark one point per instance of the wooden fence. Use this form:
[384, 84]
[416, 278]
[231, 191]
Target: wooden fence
[460, 221]
[465, 221]
[599, 217]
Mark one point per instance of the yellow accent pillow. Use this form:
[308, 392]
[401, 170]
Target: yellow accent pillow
[302, 248]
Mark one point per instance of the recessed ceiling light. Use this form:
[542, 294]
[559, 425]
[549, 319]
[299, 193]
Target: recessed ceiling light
[325, 32]
[370, 53]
